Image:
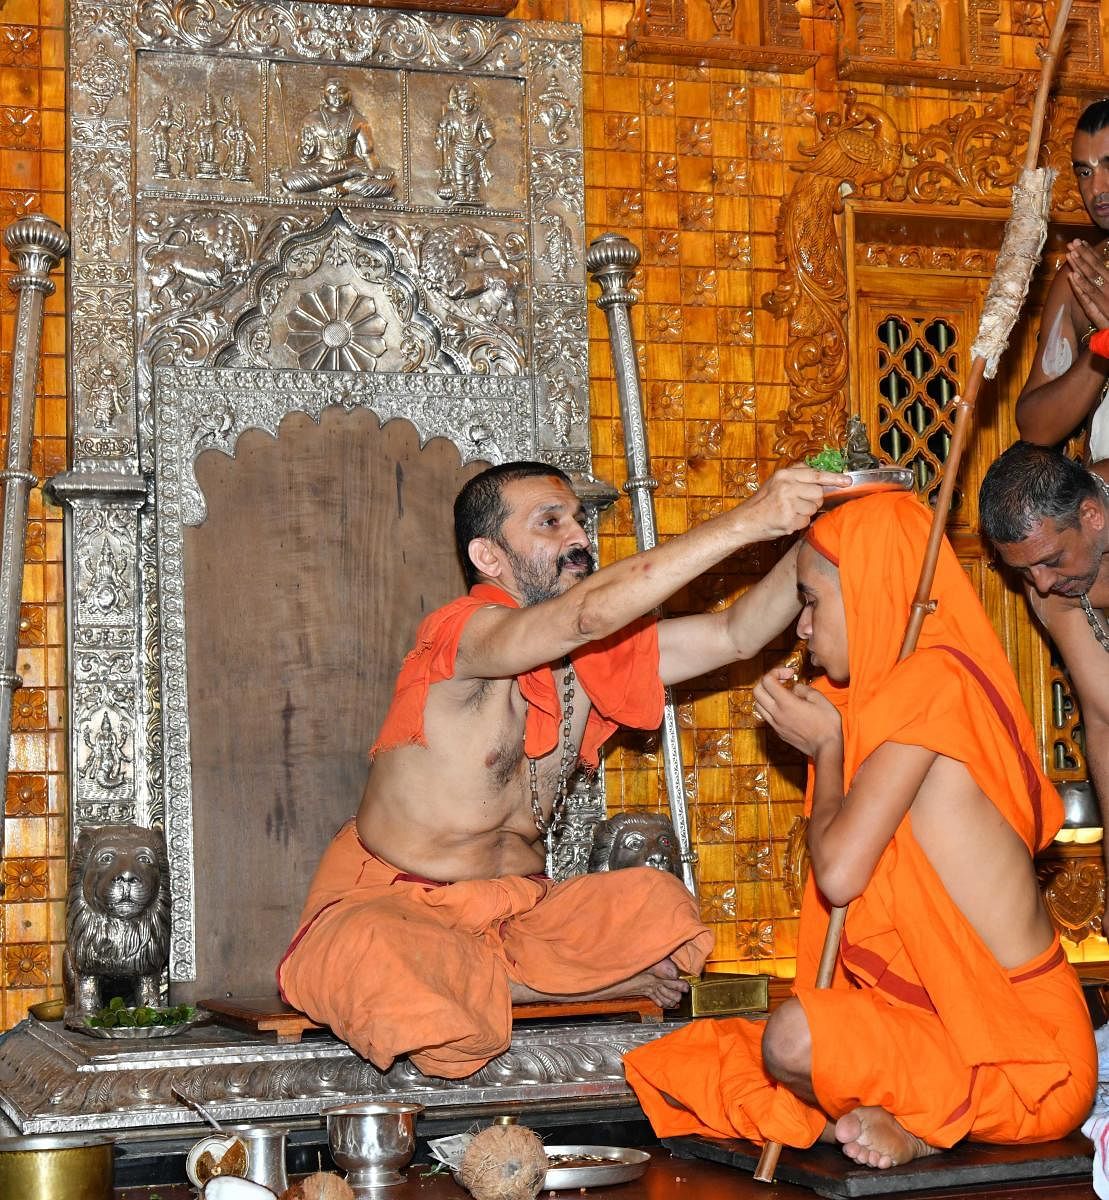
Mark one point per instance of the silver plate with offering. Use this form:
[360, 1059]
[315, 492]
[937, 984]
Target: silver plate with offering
[870, 482]
[592, 1166]
[127, 1033]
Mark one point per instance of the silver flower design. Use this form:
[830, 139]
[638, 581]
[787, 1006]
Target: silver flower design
[337, 328]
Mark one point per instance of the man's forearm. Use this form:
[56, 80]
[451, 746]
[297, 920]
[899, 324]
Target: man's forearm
[1051, 412]
[766, 608]
[633, 586]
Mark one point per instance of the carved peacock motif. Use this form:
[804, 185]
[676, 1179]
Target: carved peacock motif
[861, 148]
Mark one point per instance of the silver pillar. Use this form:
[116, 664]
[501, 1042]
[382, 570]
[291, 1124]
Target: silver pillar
[36, 244]
[612, 260]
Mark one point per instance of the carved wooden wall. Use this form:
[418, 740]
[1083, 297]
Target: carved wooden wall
[719, 135]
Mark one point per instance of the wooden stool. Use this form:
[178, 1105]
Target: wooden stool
[264, 1015]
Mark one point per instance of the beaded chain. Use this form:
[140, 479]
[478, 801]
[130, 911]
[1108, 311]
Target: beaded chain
[1092, 619]
[1095, 624]
[569, 756]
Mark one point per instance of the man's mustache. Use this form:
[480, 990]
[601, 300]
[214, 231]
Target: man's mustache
[576, 558]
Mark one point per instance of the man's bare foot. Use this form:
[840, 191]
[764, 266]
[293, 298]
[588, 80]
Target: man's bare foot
[874, 1138]
[660, 983]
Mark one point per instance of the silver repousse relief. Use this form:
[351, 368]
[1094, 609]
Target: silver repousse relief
[310, 204]
[56, 1081]
[335, 33]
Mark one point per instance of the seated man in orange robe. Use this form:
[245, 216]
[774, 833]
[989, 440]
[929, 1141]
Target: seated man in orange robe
[429, 914]
[953, 1011]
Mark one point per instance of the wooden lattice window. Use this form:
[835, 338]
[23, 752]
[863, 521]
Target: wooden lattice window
[919, 362]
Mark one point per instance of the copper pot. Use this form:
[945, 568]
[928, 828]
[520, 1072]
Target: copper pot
[48, 1167]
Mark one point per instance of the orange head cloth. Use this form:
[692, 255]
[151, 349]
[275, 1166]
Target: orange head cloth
[956, 693]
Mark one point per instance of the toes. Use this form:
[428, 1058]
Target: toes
[848, 1128]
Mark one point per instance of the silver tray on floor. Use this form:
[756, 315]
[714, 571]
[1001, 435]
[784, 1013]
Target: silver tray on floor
[619, 1165]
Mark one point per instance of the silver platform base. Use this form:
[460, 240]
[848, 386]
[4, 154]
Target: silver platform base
[54, 1080]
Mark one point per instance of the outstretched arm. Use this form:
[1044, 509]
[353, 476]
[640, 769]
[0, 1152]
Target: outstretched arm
[1066, 380]
[500, 642]
[690, 646]
[847, 833]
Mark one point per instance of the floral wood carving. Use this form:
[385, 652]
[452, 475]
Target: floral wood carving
[861, 148]
[960, 259]
[970, 156]
[1072, 879]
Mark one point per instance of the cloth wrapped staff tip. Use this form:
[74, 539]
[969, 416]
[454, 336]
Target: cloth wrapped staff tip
[1025, 234]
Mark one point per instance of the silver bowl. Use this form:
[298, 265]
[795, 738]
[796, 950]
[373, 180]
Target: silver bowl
[371, 1142]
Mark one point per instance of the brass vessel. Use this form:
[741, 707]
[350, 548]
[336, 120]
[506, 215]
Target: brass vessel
[68, 1167]
[721, 994]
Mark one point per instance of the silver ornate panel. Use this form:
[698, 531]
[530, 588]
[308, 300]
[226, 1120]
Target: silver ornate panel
[279, 205]
[55, 1081]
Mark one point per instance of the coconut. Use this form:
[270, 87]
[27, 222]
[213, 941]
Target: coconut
[231, 1187]
[321, 1186]
[504, 1162]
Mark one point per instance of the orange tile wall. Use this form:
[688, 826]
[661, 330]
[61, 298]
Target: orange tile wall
[32, 178]
[692, 165]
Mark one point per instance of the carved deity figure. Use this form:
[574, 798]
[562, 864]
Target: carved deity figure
[335, 150]
[181, 148]
[240, 145]
[464, 139]
[106, 591]
[105, 395]
[856, 446]
[205, 137]
[635, 839]
[106, 760]
[103, 199]
[161, 131]
[562, 406]
[926, 28]
[558, 244]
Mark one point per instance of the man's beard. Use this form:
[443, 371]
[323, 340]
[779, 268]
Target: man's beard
[538, 578]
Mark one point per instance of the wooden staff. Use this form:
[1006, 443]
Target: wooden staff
[36, 244]
[1016, 260]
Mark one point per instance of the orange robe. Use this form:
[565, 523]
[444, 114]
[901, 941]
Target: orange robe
[921, 1019]
[399, 965]
[396, 964]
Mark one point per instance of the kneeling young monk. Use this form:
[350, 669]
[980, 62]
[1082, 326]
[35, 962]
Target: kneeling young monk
[953, 1012]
